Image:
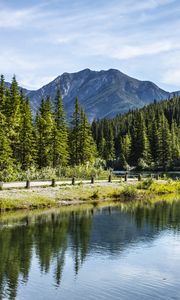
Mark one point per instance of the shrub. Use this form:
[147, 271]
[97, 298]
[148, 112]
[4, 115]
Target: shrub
[82, 171]
[165, 188]
[10, 174]
[142, 165]
[130, 192]
[145, 185]
[95, 195]
[47, 173]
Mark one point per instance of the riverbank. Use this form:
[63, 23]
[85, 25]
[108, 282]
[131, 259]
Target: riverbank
[41, 197]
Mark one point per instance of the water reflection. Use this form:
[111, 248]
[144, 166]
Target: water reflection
[49, 236]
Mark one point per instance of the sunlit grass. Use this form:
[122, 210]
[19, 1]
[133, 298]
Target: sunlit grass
[65, 195]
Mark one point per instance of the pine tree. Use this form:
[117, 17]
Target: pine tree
[154, 141]
[164, 151]
[109, 151]
[13, 115]
[101, 144]
[74, 140]
[140, 151]
[95, 132]
[2, 94]
[60, 134]
[175, 145]
[44, 134]
[27, 141]
[126, 147]
[6, 160]
[87, 144]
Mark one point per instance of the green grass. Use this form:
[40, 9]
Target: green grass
[95, 195]
[23, 203]
[162, 187]
[145, 184]
[64, 195]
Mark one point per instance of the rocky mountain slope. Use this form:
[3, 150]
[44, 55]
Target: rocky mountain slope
[101, 94]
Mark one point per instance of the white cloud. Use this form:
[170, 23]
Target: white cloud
[52, 37]
[125, 48]
[172, 77]
[126, 52]
[34, 81]
[12, 61]
[150, 4]
[15, 18]
[19, 18]
[24, 67]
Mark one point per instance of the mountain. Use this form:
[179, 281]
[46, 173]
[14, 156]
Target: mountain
[176, 93]
[25, 91]
[101, 94]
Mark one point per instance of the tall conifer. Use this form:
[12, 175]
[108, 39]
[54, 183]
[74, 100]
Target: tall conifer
[6, 159]
[87, 144]
[27, 141]
[60, 134]
[44, 134]
[74, 140]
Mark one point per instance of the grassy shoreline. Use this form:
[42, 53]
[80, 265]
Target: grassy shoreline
[47, 197]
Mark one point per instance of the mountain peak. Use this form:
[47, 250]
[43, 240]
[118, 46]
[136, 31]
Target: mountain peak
[102, 93]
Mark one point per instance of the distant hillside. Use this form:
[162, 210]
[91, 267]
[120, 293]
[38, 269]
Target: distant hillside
[101, 94]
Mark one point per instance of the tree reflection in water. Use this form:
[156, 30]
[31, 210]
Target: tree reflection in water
[50, 234]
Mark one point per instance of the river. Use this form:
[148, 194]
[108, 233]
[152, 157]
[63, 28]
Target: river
[127, 251]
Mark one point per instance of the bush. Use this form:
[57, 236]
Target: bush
[10, 174]
[165, 188]
[95, 195]
[37, 174]
[142, 165]
[82, 172]
[47, 173]
[145, 185]
[130, 192]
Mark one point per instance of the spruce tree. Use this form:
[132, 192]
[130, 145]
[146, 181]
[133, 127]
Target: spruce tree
[175, 143]
[164, 151]
[6, 160]
[27, 141]
[13, 115]
[87, 144]
[2, 94]
[44, 134]
[74, 140]
[109, 151]
[154, 141]
[140, 151]
[60, 134]
[126, 147]
[101, 144]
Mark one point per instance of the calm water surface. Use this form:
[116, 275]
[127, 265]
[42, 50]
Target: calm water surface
[129, 251]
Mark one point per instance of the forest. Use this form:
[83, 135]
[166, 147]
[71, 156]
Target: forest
[44, 140]
[147, 138]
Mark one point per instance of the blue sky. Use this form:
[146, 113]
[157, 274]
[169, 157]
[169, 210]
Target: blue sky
[42, 39]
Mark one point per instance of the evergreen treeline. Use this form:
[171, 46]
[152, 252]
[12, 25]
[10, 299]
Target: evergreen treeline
[144, 138]
[46, 141]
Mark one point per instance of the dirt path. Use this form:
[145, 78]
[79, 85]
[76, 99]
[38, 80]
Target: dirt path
[22, 184]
